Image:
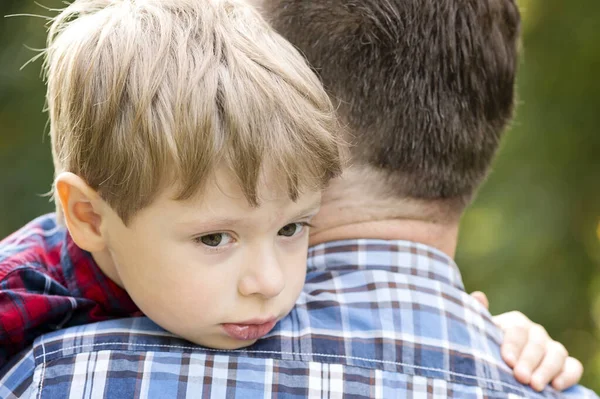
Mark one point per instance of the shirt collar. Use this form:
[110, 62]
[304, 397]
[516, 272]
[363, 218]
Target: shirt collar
[398, 256]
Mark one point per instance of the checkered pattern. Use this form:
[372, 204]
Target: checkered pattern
[47, 283]
[377, 319]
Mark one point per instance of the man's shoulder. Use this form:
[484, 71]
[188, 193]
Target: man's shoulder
[136, 357]
[35, 246]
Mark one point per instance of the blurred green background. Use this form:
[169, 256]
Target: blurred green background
[531, 241]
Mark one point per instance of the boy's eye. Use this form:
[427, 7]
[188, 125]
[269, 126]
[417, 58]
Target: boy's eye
[290, 230]
[215, 239]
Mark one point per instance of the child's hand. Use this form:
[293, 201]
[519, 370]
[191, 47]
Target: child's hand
[535, 357]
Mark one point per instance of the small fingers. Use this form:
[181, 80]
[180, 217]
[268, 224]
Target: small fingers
[514, 342]
[550, 367]
[534, 356]
[481, 298]
[570, 374]
[533, 353]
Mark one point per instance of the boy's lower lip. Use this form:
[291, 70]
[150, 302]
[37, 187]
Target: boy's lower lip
[250, 331]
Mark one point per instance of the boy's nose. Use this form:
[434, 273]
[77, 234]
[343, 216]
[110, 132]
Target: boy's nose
[263, 276]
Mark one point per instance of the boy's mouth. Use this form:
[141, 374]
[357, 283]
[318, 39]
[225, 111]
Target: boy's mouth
[250, 329]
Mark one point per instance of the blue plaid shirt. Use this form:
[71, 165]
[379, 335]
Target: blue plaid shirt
[377, 319]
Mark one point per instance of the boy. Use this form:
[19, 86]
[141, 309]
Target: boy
[190, 144]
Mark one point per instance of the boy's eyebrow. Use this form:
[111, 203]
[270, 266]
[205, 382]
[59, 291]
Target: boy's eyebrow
[309, 210]
[225, 221]
[210, 224]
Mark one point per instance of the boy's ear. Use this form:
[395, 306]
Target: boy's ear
[81, 207]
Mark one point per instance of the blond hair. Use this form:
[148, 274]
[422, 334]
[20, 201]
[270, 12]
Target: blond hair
[144, 93]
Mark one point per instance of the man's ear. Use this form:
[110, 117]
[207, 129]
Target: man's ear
[81, 207]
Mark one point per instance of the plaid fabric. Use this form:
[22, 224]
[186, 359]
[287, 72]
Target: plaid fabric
[47, 283]
[377, 319]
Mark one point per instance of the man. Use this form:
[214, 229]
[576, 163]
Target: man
[425, 87]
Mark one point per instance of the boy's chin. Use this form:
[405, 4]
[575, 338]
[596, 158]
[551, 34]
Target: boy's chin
[223, 342]
[237, 344]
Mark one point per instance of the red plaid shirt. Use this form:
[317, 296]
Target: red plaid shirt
[47, 283]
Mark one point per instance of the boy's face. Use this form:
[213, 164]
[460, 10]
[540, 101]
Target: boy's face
[213, 269]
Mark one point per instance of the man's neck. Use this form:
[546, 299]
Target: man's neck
[353, 208]
[444, 239]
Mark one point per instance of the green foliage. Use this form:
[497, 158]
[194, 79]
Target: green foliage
[532, 239]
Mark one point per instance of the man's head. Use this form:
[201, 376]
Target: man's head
[426, 87]
[191, 143]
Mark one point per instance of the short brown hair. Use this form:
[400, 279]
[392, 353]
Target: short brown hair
[426, 86]
[147, 93]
